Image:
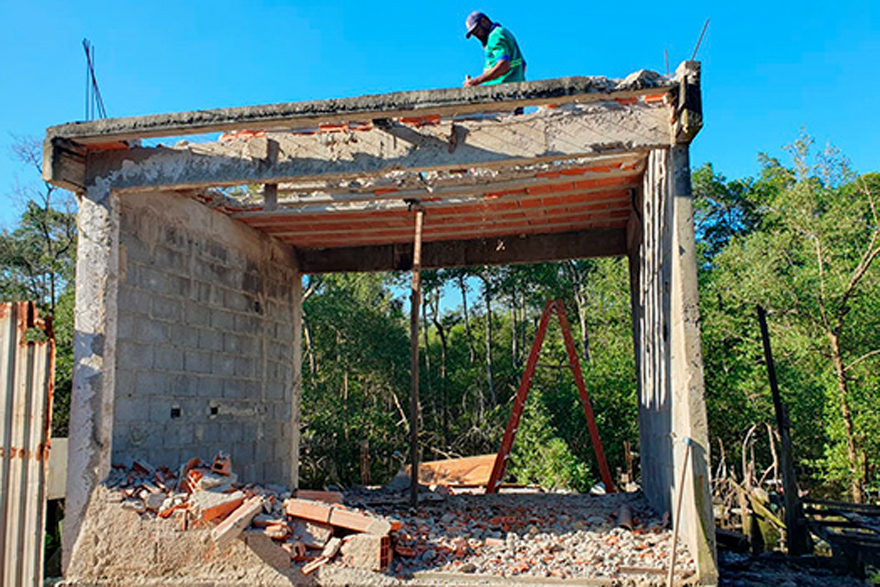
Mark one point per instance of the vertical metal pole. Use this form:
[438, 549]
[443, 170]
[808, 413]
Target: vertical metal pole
[415, 302]
[676, 521]
[796, 540]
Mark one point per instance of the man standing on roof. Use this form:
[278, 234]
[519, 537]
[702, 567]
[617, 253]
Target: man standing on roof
[504, 61]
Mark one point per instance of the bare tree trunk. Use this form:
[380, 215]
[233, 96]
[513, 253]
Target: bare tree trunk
[514, 340]
[427, 355]
[852, 451]
[467, 321]
[441, 333]
[310, 352]
[487, 293]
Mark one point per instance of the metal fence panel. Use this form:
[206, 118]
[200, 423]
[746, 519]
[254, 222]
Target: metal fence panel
[27, 354]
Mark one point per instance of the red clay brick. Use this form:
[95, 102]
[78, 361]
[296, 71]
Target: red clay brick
[314, 495]
[350, 520]
[308, 510]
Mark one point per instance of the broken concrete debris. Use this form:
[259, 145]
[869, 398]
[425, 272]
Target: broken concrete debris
[308, 529]
[522, 533]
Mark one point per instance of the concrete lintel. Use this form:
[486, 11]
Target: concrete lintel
[444, 102]
[604, 242]
[597, 129]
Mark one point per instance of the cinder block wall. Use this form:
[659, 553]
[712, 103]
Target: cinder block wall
[204, 339]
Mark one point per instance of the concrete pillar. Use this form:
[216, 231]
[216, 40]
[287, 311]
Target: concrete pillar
[91, 403]
[296, 387]
[663, 276]
[689, 405]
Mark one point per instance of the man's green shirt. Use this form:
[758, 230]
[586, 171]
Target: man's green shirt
[502, 45]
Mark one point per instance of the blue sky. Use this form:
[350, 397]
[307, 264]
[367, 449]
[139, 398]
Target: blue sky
[769, 68]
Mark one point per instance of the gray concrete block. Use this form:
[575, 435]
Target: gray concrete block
[209, 293]
[183, 335]
[210, 339]
[238, 301]
[151, 383]
[281, 412]
[275, 391]
[223, 365]
[125, 382]
[132, 355]
[126, 324]
[143, 434]
[170, 260]
[130, 409]
[197, 313]
[197, 361]
[151, 278]
[160, 410]
[236, 389]
[222, 320]
[248, 324]
[168, 358]
[243, 452]
[134, 300]
[273, 472]
[165, 308]
[207, 387]
[238, 344]
[166, 456]
[151, 331]
[245, 367]
[177, 434]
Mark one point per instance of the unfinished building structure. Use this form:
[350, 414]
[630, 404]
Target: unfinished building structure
[189, 308]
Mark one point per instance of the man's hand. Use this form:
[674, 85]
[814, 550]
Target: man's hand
[470, 82]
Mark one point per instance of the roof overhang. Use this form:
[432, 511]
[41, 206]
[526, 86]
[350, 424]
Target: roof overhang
[339, 179]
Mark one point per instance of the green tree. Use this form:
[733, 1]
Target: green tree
[38, 263]
[810, 261]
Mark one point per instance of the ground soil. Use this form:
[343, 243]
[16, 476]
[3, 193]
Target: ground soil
[120, 547]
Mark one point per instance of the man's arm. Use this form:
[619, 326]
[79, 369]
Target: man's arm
[500, 68]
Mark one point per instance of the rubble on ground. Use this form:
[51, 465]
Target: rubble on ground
[522, 534]
[306, 528]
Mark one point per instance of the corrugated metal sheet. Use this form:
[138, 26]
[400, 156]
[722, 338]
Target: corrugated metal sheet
[27, 354]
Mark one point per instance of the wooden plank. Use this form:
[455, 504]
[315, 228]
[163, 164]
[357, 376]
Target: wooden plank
[501, 250]
[573, 200]
[442, 234]
[414, 301]
[441, 196]
[488, 220]
[465, 471]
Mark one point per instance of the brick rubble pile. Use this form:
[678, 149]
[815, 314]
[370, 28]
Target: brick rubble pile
[312, 528]
[507, 535]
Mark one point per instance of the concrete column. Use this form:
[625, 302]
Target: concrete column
[296, 387]
[92, 399]
[663, 274]
[689, 405]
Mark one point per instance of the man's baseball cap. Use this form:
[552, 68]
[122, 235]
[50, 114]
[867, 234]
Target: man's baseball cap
[472, 21]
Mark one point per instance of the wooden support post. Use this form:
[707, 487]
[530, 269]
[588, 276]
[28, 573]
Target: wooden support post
[270, 197]
[415, 302]
[796, 538]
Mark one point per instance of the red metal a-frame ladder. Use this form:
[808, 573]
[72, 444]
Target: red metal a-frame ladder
[523, 393]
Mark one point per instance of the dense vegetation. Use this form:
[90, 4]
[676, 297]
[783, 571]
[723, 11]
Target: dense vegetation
[800, 239]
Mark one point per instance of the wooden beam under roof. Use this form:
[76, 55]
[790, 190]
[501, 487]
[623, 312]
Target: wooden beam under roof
[498, 250]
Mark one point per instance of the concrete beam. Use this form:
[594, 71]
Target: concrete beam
[490, 251]
[444, 102]
[512, 140]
